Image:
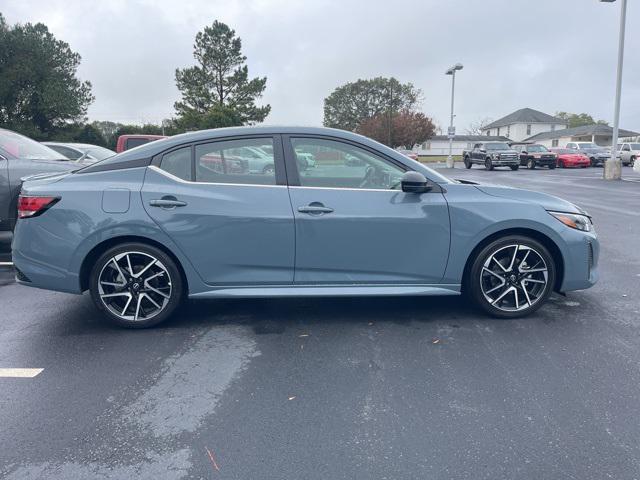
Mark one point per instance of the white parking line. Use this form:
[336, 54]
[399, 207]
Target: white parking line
[6, 264]
[20, 372]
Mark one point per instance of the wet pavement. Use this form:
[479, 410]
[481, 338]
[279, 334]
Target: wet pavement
[382, 388]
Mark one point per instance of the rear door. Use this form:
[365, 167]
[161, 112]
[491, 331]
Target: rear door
[234, 225]
[353, 223]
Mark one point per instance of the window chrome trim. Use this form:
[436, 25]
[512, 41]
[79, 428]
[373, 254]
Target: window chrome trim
[189, 182]
[348, 188]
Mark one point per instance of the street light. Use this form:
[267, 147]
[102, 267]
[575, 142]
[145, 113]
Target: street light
[612, 167]
[452, 130]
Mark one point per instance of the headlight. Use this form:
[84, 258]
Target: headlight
[574, 220]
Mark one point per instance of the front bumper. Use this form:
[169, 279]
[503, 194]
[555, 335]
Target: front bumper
[580, 261]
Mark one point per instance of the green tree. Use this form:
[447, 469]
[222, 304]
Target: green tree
[579, 119]
[215, 117]
[219, 86]
[351, 104]
[39, 90]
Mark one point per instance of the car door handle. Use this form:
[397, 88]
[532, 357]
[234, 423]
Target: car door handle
[315, 209]
[167, 202]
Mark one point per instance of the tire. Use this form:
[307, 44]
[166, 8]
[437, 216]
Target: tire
[488, 164]
[467, 163]
[632, 161]
[552, 166]
[593, 162]
[514, 167]
[492, 279]
[531, 164]
[268, 170]
[142, 300]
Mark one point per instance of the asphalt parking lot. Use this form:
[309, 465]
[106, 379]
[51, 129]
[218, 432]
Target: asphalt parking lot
[339, 388]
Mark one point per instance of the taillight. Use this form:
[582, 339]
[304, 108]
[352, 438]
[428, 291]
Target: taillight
[32, 206]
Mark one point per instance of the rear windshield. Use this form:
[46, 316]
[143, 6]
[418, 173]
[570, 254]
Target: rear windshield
[136, 142]
[14, 145]
[100, 153]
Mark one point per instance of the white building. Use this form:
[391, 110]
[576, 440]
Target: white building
[438, 145]
[596, 133]
[523, 124]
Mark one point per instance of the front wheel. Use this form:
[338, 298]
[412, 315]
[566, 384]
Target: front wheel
[512, 277]
[467, 163]
[552, 166]
[632, 161]
[136, 285]
[488, 164]
[514, 167]
[531, 164]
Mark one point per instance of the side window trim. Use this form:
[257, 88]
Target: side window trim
[292, 166]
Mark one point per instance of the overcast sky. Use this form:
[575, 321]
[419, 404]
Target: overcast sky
[550, 55]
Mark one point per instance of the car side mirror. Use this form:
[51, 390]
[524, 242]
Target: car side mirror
[414, 182]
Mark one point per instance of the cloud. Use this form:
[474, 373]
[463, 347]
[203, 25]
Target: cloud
[548, 55]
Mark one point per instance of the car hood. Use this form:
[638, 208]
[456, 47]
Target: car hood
[548, 202]
[502, 151]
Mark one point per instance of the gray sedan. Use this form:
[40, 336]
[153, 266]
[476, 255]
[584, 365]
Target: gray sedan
[21, 157]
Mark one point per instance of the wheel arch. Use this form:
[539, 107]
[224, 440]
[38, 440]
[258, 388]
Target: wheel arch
[550, 245]
[100, 248]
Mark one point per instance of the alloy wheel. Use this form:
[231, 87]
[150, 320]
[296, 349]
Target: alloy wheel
[134, 286]
[514, 277]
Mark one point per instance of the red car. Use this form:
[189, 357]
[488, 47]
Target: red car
[568, 158]
[125, 142]
[409, 153]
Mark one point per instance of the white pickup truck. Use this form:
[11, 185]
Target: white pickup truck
[628, 153]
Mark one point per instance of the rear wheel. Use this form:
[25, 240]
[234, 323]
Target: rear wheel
[632, 161]
[531, 164]
[512, 277]
[593, 161]
[552, 166]
[136, 285]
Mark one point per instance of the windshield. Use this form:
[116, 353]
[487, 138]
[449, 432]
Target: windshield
[99, 153]
[537, 148]
[17, 146]
[635, 146]
[496, 146]
[587, 146]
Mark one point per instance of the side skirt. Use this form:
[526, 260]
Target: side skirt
[329, 291]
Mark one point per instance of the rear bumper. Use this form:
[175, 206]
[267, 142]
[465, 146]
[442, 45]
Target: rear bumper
[37, 274]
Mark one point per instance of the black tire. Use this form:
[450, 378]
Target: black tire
[488, 164]
[632, 161]
[162, 269]
[531, 164]
[467, 163]
[514, 167]
[593, 161]
[477, 276]
[552, 166]
[268, 169]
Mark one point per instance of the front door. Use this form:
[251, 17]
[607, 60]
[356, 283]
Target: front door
[353, 223]
[235, 224]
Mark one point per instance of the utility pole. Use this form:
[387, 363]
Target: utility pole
[452, 130]
[613, 167]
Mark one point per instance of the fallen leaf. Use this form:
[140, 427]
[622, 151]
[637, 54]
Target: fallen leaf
[435, 340]
[292, 397]
[304, 335]
[213, 460]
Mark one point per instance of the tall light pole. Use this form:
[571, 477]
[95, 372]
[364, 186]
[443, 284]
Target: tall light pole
[612, 167]
[452, 131]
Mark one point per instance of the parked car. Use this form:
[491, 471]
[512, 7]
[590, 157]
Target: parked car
[628, 153]
[568, 158]
[21, 157]
[491, 155]
[597, 154]
[533, 155]
[125, 142]
[81, 152]
[149, 227]
[409, 153]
